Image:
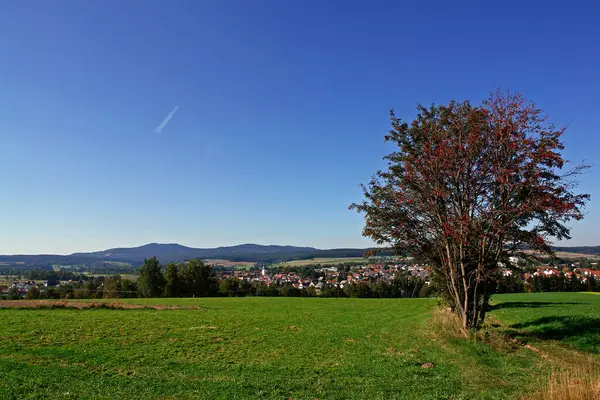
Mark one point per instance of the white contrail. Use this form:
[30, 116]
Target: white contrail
[159, 128]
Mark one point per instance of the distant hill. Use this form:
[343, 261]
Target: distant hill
[591, 250]
[168, 253]
[176, 253]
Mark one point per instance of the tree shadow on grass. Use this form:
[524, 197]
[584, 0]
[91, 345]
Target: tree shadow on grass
[529, 304]
[582, 332]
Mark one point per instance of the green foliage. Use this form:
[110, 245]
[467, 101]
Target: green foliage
[262, 289]
[198, 280]
[151, 280]
[466, 187]
[172, 281]
[290, 291]
[33, 293]
[233, 287]
[112, 288]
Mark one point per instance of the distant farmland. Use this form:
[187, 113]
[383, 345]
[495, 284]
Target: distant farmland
[325, 261]
[569, 255]
[228, 263]
[131, 277]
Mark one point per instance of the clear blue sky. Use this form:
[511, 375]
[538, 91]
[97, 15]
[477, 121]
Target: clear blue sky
[283, 108]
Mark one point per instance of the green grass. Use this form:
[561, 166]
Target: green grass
[131, 277]
[273, 348]
[571, 319]
[325, 261]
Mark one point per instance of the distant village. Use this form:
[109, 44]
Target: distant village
[340, 279]
[323, 277]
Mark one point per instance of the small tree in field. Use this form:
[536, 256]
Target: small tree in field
[150, 280]
[198, 279]
[468, 187]
[172, 281]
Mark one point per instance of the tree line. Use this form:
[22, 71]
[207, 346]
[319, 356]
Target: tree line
[554, 283]
[196, 279]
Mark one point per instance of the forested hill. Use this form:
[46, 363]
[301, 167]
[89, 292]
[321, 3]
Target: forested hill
[177, 253]
[589, 250]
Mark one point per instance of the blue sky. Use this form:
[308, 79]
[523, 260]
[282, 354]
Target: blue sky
[282, 110]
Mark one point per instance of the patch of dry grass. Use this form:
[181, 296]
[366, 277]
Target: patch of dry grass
[582, 383]
[80, 305]
[446, 324]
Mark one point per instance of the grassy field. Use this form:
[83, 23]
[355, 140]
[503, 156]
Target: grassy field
[7, 280]
[325, 261]
[565, 255]
[131, 277]
[279, 348]
[569, 318]
[228, 263]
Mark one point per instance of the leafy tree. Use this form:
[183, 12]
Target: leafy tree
[112, 287]
[230, 287]
[509, 284]
[198, 279]
[33, 293]
[288, 290]
[262, 289]
[333, 291]
[406, 285]
[128, 288]
[467, 187]
[172, 281]
[150, 280]
[361, 290]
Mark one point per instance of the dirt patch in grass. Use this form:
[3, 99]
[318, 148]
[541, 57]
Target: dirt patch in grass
[49, 304]
[391, 351]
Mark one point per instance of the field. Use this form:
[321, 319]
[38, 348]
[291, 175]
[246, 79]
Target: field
[565, 255]
[228, 263]
[131, 277]
[569, 318]
[7, 280]
[568, 255]
[325, 261]
[279, 348]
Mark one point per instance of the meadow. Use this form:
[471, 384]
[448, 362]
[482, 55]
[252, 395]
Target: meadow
[325, 261]
[571, 319]
[280, 348]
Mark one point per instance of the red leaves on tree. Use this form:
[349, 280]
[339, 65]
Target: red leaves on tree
[469, 185]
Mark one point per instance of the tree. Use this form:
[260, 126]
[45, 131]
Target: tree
[469, 186]
[13, 293]
[112, 287]
[172, 281]
[33, 293]
[128, 288]
[198, 279]
[230, 287]
[150, 280]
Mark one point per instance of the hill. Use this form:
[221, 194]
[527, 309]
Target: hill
[173, 252]
[167, 253]
[586, 250]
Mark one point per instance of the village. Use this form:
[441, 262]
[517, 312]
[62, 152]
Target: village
[331, 276]
[316, 280]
